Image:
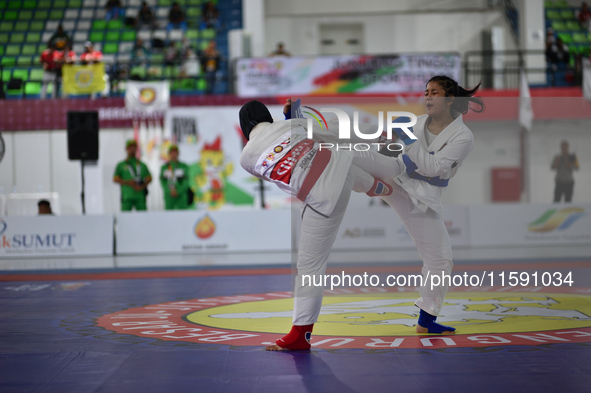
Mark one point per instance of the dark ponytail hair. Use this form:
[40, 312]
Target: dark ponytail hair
[452, 88]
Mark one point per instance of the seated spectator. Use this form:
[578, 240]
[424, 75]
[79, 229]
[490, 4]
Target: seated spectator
[145, 16]
[584, 16]
[44, 208]
[557, 53]
[48, 61]
[209, 16]
[139, 53]
[90, 56]
[60, 39]
[210, 63]
[114, 10]
[171, 54]
[176, 19]
[280, 51]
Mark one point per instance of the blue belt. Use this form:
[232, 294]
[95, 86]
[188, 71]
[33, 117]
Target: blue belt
[411, 168]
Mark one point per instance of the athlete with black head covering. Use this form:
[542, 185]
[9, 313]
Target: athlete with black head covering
[280, 152]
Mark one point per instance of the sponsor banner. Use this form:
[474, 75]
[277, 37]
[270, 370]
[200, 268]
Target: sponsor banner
[56, 236]
[210, 142]
[260, 77]
[203, 232]
[521, 224]
[380, 228]
[147, 96]
[83, 79]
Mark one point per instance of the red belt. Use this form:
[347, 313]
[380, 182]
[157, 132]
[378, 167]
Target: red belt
[318, 165]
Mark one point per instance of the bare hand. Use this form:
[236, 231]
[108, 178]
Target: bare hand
[287, 106]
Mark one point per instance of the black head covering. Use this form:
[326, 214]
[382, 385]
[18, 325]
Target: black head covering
[251, 114]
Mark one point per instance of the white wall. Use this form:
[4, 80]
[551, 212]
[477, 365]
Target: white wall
[389, 26]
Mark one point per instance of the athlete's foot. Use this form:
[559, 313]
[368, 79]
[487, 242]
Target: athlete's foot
[427, 325]
[298, 339]
[380, 188]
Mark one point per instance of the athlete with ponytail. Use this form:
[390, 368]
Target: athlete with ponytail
[443, 143]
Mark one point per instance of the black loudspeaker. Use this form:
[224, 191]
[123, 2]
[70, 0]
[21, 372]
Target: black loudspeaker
[83, 140]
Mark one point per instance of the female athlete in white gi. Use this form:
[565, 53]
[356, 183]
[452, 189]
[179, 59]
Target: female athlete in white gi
[443, 143]
[279, 152]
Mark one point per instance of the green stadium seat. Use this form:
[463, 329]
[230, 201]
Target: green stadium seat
[193, 12]
[56, 15]
[44, 4]
[164, 3]
[36, 74]
[6, 26]
[24, 60]
[139, 71]
[8, 61]
[60, 4]
[558, 26]
[33, 88]
[30, 4]
[553, 15]
[580, 38]
[3, 38]
[110, 48]
[567, 14]
[41, 15]
[561, 4]
[208, 34]
[10, 15]
[128, 36]
[548, 4]
[99, 25]
[33, 37]
[25, 15]
[6, 74]
[194, 2]
[157, 58]
[37, 26]
[201, 84]
[114, 25]
[585, 50]
[192, 34]
[112, 36]
[41, 48]
[13, 50]
[75, 4]
[21, 26]
[14, 5]
[96, 36]
[565, 37]
[17, 38]
[572, 25]
[1, 50]
[21, 74]
[3, 5]
[29, 50]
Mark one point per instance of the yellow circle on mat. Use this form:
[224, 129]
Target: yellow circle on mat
[394, 314]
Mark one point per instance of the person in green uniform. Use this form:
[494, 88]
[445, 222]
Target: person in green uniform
[174, 177]
[134, 177]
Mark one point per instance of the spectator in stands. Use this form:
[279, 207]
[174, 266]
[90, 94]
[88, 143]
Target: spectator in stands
[280, 51]
[171, 54]
[139, 53]
[49, 71]
[44, 207]
[134, 177]
[67, 56]
[176, 19]
[564, 164]
[174, 178]
[556, 51]
[90, 56]
[114, 10]
[60, 40]
[584, 16]
[210, 63]
[145, 16]
[209, 16]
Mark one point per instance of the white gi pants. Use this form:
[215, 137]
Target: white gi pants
[432, 240]
[319, 232]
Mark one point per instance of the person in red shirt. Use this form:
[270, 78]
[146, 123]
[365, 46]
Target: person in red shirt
[48, 57]
[67, 56]
[91, 56]
[584, 16]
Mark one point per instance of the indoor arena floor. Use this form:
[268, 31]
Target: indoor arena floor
[199, 324]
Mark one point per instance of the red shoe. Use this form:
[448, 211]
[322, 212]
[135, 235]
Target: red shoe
[297, 339]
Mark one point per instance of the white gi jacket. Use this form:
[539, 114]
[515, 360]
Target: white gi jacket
[266, 137]
[450, 148]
